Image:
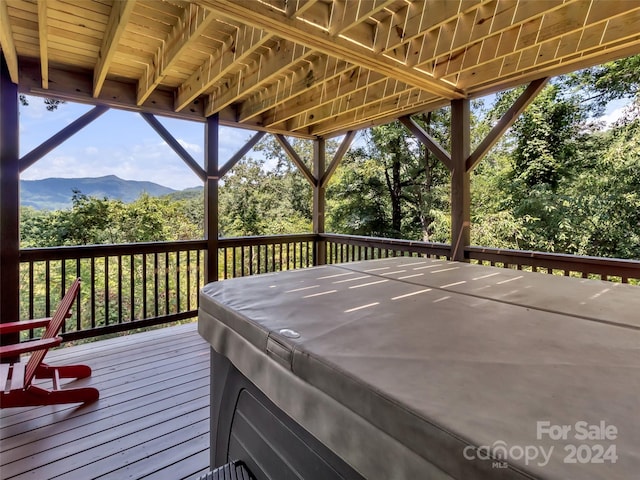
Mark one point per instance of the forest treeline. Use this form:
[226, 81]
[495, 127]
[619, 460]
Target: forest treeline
[559, 181]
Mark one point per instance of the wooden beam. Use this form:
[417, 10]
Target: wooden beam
[508, 119]
[428, 141]
[43, 38]
[295, 158]
[342, 149]
[67, 132]
[9, 200]
[6, 42]
[253, 77]
[319, 201]
[460, 179]
[193, 22]
[211, 157]
[241, 153]
[77, 86]
[120, 13]
[262, 16]
[236, 50]
[175, 145]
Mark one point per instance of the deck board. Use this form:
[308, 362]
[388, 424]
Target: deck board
[152, 419]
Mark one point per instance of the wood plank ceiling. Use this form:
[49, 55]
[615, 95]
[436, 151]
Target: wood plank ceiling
[303, 67]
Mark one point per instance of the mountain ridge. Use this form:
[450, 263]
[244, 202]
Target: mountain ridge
[55, 193]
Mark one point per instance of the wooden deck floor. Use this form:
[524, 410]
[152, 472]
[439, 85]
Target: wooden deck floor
[152, 419]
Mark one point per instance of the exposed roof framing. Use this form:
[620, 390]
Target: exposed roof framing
[303, 67]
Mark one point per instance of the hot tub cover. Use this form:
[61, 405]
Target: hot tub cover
[448, 370]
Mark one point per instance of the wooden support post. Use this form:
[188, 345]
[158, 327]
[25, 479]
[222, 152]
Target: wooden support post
[212, 150]
[9, 202]
[319, 161]
[460, 178]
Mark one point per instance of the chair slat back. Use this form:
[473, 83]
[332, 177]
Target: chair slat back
[61, 313]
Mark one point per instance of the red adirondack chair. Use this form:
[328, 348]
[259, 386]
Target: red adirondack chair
[16, 378]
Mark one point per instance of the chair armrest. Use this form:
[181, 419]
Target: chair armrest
[12, 327]
[30, 346]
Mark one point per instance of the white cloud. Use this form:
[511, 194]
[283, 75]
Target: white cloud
[190, 146]
[614, 115]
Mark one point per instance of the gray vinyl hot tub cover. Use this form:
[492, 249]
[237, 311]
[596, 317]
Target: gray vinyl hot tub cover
[440, 365]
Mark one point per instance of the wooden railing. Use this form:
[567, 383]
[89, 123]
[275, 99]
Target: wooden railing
[242, 256]
[611, 269]
[349, 248]
[131, 286]
[126, 287]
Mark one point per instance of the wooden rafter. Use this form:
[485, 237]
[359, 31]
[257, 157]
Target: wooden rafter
[175, 145]
[508, 119]
[120, 13]
[428, 141]
[246, 41]
[386, 110]
[267, 67]
[43, 39]
[286, 94]
[193, 22]
[559, 49]
[346, 15]
[295, 158]
[241, 153]
[296, 30]
[7, 44]
[347, 87]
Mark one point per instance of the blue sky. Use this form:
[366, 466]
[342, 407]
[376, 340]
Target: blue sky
[123, 144]
[117, 143]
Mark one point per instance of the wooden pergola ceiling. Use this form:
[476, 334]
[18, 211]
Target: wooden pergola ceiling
[303, 67]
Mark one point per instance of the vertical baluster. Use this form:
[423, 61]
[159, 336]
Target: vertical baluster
[119, 288]
[63, 277]
[234, 262]
[106, 290]
[156, 280]
[178, 308]
[132, 285]
[166, 283]
[144, 285]
[225, 263]
[31, 295]
[78, 300]
[295, 254]
[189, 278]
[258, 266]
[250, 259]
[242, 261]
[93, 292]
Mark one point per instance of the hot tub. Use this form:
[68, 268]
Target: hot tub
[416, 368]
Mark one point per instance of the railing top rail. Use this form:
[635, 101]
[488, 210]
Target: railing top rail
[88, 251]
[266, 239]
[383, 242]
[504, 253]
